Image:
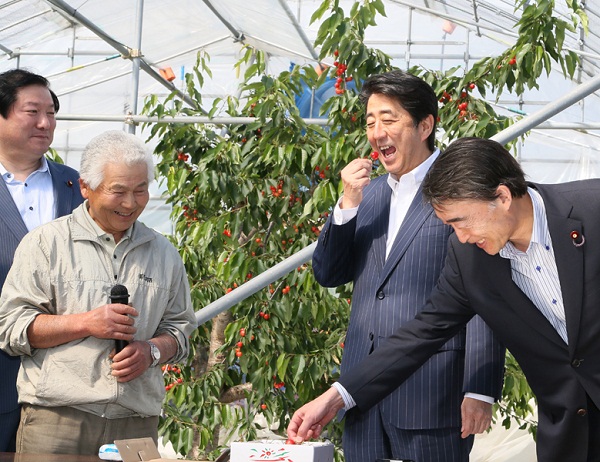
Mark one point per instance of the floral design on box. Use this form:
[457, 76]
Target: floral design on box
[267, 454]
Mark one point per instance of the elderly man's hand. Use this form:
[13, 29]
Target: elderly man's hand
[476, 416]
[308, 421]
[112, 321]
[131, 362]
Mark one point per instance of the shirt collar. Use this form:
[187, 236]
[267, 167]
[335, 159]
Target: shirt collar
[9, 177]
[416, 175]
[540, 234]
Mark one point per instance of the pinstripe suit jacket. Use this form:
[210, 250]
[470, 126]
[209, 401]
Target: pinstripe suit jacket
[12, 229]
[561, 376]
[389, 292]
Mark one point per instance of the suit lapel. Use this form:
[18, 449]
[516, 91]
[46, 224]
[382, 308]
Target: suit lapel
[63, 191]
[10, 214]
[416, 215]
[516, 299]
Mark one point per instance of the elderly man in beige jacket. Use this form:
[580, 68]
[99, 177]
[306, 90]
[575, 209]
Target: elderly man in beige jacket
[77, 392]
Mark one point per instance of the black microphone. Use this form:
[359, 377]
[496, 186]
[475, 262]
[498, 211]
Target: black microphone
[119, 294]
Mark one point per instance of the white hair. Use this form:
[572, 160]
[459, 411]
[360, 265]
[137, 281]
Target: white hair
[113, 146]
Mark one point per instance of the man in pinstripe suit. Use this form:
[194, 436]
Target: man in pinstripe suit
[33, 191]
[388, 242]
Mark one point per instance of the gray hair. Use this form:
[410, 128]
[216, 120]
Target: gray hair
[113, 146]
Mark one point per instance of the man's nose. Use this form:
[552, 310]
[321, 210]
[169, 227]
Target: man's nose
[128, 200]
[44, 121]
[378, 130]
[462, 235]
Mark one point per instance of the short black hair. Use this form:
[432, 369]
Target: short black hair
[412, 93]
[15, 79]
[473, 168]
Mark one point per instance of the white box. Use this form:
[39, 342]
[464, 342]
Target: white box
[270, 450]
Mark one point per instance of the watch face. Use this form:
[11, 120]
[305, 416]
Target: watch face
[155, 352]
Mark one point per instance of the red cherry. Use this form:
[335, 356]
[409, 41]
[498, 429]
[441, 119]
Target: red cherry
[239, 344]
[238, 353]
[242, 332]
[290, 441]
[266, 316]
[472, 86]
[374, 155]
[263, 406]
[463, 106]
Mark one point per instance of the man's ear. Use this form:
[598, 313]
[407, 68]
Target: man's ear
[426, 127]
[504, 195]
[85, 189]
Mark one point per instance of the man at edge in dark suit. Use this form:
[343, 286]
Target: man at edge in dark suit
[526, 258]
[385, 239]
[33, 191]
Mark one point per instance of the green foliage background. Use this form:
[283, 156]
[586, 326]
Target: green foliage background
[245, 197]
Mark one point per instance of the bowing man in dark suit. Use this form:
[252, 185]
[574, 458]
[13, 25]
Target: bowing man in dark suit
[389, 243]
[526, 258]
[33, 191]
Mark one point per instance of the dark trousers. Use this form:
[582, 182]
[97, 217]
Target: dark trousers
[9, 423]
[367, 437]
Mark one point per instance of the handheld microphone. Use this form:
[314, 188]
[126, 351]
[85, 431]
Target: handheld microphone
[119, 294]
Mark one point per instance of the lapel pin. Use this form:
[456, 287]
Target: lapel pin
[578, 238]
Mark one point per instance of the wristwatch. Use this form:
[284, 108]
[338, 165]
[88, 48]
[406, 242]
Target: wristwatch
[154, 352]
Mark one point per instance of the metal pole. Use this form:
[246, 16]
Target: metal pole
[553, 108]
[255, 284]
[299, 29]
[135, 67]
[548, 125]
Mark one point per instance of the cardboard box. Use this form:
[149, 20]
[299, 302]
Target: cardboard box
[270, 450]
[139, 449]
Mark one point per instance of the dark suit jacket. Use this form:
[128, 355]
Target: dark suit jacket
[561, 376]
[389, 293]
[12, 229]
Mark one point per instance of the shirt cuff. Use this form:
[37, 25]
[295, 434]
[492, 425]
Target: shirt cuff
[477, 396]
[348, 400]
[342, 216]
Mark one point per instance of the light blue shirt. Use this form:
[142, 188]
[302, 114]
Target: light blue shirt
[534, 271]
[33, 197]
